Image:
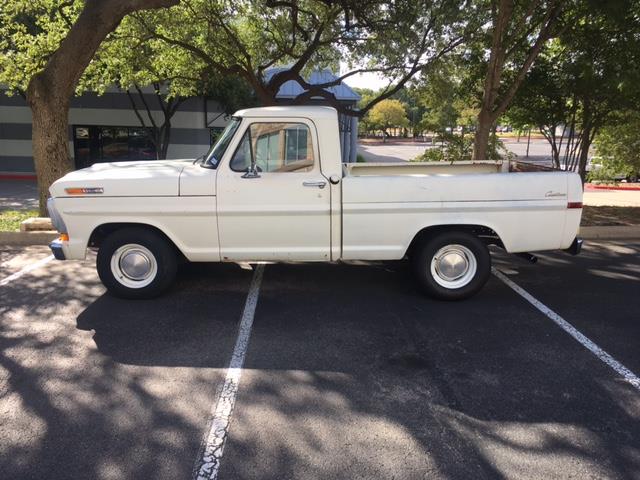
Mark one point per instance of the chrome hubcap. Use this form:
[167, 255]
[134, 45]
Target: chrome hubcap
[453, 266]
[134, 265]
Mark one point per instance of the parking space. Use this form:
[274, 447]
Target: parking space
[598, 292]
[14, 259]
[95, 387]
[349, 373]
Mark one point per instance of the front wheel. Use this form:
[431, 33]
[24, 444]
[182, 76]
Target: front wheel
[452, 265]
[136, 263]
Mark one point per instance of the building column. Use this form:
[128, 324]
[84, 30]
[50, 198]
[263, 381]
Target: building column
[353, 152]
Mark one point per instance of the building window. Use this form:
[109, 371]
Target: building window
[95, 144]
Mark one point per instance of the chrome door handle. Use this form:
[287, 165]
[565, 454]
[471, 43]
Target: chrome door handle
[315, 183]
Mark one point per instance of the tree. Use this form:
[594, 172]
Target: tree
[248, 39]
[438, 93]
[410, 98]
[543, 101]
[582, 79]
[388, 113]
[519, 30]
[365, 126]
[62, 56]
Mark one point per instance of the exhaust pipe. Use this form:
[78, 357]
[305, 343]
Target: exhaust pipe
[528, 257]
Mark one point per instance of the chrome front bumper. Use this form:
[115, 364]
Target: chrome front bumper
[56, 249]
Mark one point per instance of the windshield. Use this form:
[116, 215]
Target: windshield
[216, 152]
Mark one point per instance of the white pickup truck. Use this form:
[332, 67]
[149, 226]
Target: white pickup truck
[273, 188]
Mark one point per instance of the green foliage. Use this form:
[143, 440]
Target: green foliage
[582, 78]
[497, 151]
[248, 38]
[409, 97]
[360, 158]
[457, 147]
[30, 31]
[10, 220]
[618, 148]
[438, 94]
[388, 113]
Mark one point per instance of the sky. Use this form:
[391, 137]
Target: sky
[374, 81]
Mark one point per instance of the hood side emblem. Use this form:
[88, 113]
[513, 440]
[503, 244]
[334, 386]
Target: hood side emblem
[84, 191]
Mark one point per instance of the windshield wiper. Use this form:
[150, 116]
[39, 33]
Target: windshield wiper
[199, 159]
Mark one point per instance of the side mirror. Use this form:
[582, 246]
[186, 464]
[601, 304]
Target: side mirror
[252, 171]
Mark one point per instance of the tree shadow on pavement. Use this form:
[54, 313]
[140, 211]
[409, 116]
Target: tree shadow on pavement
[128, 401]
[350, 373]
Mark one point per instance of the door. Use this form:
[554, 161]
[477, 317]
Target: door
[273, 201]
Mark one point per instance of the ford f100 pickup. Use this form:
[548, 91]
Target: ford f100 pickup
[274, 188]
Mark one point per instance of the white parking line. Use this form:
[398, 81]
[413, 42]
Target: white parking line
[623, 371]
[208, 461]
[26, 270]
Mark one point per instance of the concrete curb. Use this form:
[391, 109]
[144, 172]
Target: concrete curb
[27, 238]
[613, 232]
[621, 188]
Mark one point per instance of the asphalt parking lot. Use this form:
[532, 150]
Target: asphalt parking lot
[347, 372]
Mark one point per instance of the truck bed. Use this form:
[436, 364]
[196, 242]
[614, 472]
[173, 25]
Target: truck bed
[426, 168]
[524, 205]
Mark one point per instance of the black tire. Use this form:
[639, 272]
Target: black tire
[470, 283]
[157, 280]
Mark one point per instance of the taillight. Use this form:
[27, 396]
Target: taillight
[574, 205]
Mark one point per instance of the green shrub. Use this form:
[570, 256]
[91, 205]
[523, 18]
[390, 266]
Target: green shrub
[457, 148]
[618, 147]
[10, 220]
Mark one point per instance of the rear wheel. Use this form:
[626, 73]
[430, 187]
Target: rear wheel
[136, 263]
[452, 265]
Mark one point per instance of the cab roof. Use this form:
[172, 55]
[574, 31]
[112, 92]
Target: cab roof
[304, 111]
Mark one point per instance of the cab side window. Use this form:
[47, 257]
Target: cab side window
[275, 147]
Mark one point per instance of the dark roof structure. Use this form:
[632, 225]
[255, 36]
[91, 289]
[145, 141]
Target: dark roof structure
[292, 89]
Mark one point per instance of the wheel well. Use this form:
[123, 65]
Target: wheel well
[486, 234]
[103, 231]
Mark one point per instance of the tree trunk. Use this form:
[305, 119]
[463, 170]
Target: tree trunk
[585, 143]
[50, 137]
[494, 102]
[166, 138]
[50, 90]
[481, 139]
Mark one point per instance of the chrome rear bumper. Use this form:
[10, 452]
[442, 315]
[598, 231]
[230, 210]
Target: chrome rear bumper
[575, 247]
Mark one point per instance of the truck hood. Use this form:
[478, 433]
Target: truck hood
[126, 179]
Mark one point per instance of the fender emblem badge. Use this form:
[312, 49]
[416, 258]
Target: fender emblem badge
[84, 191]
